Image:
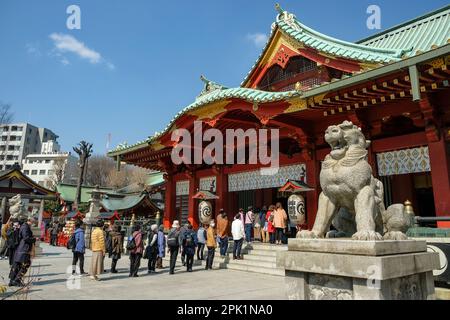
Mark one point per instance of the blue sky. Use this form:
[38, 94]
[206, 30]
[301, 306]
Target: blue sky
[135, 64]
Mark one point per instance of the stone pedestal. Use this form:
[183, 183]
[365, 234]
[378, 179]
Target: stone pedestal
[37, 246]
[344, 269]
[92, 216]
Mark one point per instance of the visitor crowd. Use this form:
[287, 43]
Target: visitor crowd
[266, 225]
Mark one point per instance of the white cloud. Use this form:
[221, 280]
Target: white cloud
[258, 39]
[65, 43]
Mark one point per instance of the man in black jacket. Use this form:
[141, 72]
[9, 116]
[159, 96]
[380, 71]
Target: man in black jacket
[22, 256]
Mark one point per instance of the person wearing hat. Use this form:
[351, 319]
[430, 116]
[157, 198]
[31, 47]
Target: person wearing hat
[173, 242]
[211, 244]
[22, 256]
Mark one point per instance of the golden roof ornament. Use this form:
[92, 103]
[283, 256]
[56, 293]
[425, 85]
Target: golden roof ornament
[288, 18]
[409, 208]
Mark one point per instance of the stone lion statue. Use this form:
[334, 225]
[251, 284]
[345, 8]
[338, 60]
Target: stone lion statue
[352, 199]
[16, 207]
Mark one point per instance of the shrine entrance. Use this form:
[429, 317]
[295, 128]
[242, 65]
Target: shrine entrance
[406, 175]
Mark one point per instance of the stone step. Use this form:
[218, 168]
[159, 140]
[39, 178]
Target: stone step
[250, 262]
[267, 247]
[253, 269]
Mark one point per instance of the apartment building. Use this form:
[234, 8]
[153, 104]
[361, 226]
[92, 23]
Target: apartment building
[19, 140]
[50, 166]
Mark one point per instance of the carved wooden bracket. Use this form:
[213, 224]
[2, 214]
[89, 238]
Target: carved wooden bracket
[431, 122]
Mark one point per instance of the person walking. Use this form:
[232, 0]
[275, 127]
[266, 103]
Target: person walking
[183, 231]
[116, 246]
[189, 245]
[279, 222]
[79, 248]
[270, 227]
[211, 244]
[201, 241]
[137, 251]
[222, 232]
[161, 247]
[237, 230]
[22, 255]
[173, 242]
[249, 220]
[98, 248]
[152, 248]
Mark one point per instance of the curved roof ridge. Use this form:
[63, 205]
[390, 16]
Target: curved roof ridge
[291, 21]
[407, 23]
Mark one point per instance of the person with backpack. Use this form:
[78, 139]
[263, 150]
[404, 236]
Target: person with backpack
[201, 241]
[161, 247]
[189, 245]
[151, 252]
[211, 244]
[98, 248]
[183, 231]
[136, 247]
[78, 246]
[173, 242]
[22, 255]
[116, 248]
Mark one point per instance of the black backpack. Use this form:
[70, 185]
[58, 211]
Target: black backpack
[172, 239]
[12, 238]
[109, 244]
[131, 244]
[189, 241]
[72, 243]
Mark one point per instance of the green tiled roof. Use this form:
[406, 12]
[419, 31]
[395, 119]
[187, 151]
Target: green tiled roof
[155, 179]
[120, 204]
[292, 27]
[288, 23]
[432, 29]
[68, 192]
[212, 93]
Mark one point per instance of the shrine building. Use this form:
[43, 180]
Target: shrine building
[393, 85]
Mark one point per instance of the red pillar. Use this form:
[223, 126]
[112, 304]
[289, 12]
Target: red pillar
[193, 203]
[312, 197]
[222, 192]
[169, 210]
[440, 170]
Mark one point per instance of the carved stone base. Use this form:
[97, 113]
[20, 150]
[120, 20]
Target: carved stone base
[331, 269]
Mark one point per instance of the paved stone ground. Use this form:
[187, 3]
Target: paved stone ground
[51, 269]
